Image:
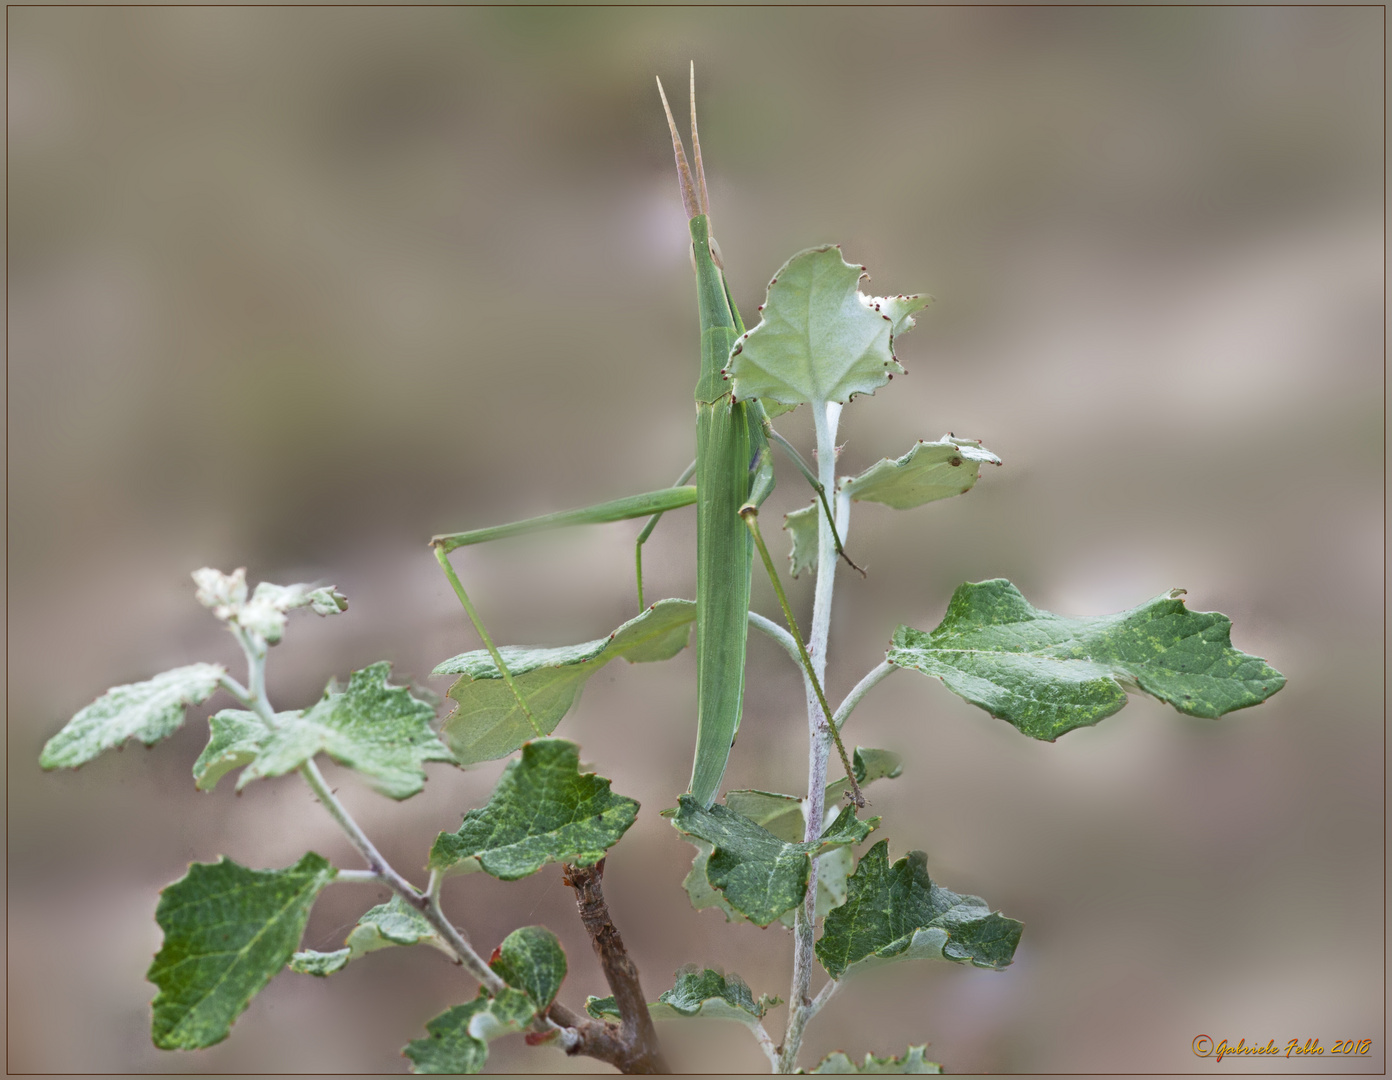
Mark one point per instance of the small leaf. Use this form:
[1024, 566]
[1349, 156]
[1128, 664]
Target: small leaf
[928, 472]
[543, 810]
[802, 531]
[897, 913]
[319, 964]
[376, 729]
[713, 995]
[148, 711]
[448, 1047]
[912, 1062]
[705, 993]
[227, 931]
[393, 923]
[235, 737]
[820, 338]
[457, 1040]
[1047, 674]
[532, 960]
[761, 875]
[488, 724]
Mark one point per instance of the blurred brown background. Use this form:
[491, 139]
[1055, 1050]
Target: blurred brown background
[295, 289]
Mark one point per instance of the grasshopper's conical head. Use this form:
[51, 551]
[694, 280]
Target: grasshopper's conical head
[693, 190]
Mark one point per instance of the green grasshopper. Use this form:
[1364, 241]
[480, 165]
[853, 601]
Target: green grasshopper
[733, 475]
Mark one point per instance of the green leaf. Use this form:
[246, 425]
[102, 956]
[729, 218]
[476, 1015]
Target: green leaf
[457, 1040]
[782, 816]
[705, 993]
[227, 931]
[531, 959]
[912, 1062]
[234, 739]
[376, 729]
[543, 810]
[713, 995]
[928, 472]
[487, 722]
[761, 875]
[319, 964]
[148, 711]
[820, 338]
[393, 923]
[1047, 674]
[802, 532]
[897, 913]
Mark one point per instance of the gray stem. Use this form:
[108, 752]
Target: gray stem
[825, 418]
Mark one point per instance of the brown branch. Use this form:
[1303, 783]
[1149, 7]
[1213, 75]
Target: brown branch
[631, 1046]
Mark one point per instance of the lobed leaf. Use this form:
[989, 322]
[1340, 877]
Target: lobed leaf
[706, 993]
[897, 913]
[1047, 674]
[235, 737]
[911, 1062]
[379, 730]
[928, 472]
[227, 931]
[457, 1040]
[487, 722]
[760, 875]
[148, 711]
[820, 338]
[543, 810]
[531, 959]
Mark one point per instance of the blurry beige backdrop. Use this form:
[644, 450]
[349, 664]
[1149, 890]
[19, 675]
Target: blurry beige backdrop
[295, 289]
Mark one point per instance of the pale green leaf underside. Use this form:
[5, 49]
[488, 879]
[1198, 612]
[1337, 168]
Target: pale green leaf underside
[820, 339]
[543, 810]
[928, 472]
[802, 535]
[912, 1062]
[897, 913]
[532, 960]
[706, 993]
[235, 737]
[148, 711]
[1047, 674]
[319, 964]
[457, 1040]
[227, 931]
[372, 727]
[760, 875]
[487, 722]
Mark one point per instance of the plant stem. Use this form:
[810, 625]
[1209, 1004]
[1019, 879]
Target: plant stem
[825, 418]
[873, 678]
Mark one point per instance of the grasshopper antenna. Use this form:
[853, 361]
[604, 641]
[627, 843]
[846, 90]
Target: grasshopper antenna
[702, 200]
[688, 189]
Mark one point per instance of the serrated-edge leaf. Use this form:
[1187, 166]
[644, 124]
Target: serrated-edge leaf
[820, 339]
[319, 964]
[913, 1061]
[531, 959]
[1047, 674]
[372, 727]
[897, 913]
[760, 875]
[227, 931]
[487, 722]
[802, 538]
[713, 995]
[149, 711]
[928, 472]
[544, 809]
